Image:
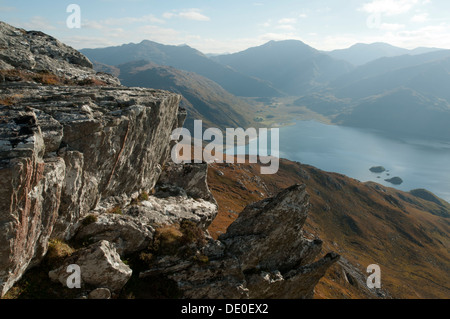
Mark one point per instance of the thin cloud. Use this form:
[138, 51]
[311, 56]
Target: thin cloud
[287, 21]
[130, 20]
[389, 7]
[190, 14]
[391, 26]
[287, 27]
[278, 36]
[38, 23]
[420, 18]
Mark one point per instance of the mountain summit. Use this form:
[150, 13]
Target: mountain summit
[291, 65]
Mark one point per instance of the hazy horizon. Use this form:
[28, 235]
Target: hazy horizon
[233, 26]
[224, 53]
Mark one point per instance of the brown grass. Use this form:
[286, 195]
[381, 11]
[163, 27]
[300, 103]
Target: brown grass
[48, 78]
[58, 250]
[363, 224]
[167, 240]
[117, 210]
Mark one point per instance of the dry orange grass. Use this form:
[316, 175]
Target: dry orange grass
[364, 222]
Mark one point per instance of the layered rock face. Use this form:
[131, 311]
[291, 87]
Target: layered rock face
[66, 151]
[90, 163]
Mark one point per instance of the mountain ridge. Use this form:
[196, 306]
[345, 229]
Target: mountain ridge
[184, 58]
[329, 87]
[362, 53]
[290, 65]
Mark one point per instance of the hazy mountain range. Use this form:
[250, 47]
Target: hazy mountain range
[184, 58]
[367, 85]
[362, 53]
[291, 66]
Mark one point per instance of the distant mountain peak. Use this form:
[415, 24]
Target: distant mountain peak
[186, 58]
[373, 44]
[291, 42]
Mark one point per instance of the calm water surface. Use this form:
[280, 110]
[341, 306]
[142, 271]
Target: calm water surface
[353, 151]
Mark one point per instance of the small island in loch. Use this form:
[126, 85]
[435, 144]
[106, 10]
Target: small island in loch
[395, 180]
[377, 169]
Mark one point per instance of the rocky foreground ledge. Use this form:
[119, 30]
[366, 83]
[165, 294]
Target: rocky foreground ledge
[66, 151]
[86, 179]
[263, 255]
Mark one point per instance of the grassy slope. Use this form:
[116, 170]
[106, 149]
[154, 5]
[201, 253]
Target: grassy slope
[364, 222]
[203, 98]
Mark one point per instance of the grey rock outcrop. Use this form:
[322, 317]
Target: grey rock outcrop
[134, 229]
[100, 266]
[66, 151]
[357, 279]
[112, 142]
[190, 177]
[100, 293]
[262, 255]
[38, 52]
[127, 233]
[280, 221]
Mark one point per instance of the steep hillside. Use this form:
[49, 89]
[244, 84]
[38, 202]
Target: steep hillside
[365, 222]
[403, 111]
[202, 98]
[431, 77]
[405, 94]
[291, 66]
[184, 58]
[387, 64]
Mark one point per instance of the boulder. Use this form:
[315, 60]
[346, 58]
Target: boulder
[264, 254]
[191, 177]
[128, 234]
[100, 266]
[174, 209]
[267, 234]
[100, 293]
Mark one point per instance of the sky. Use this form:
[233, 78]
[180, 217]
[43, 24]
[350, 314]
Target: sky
[228, 26]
